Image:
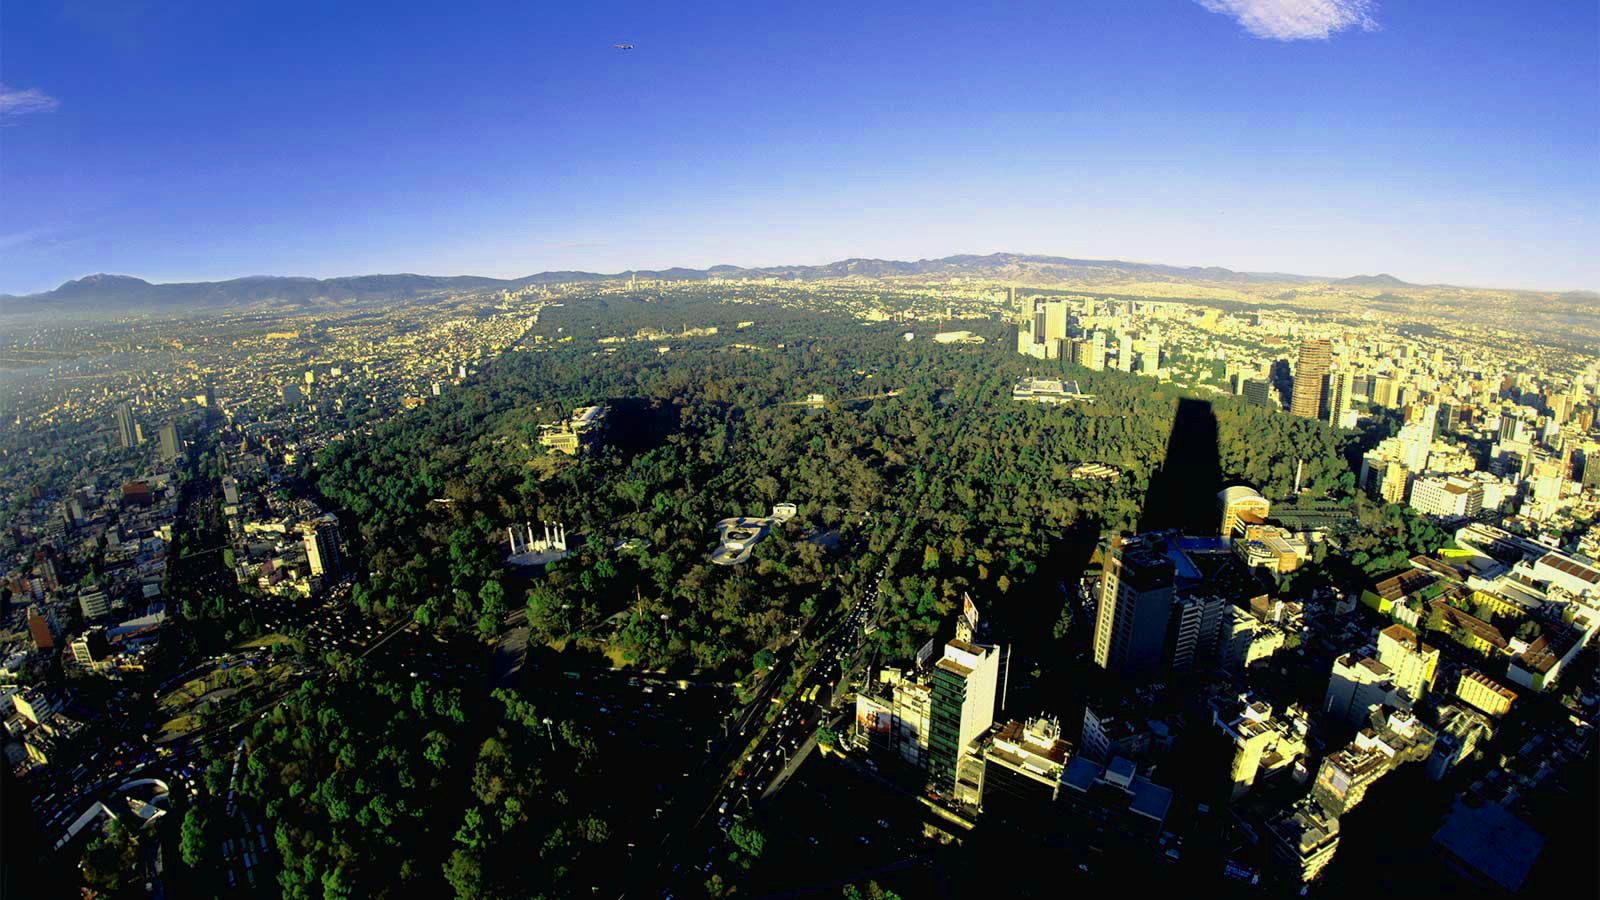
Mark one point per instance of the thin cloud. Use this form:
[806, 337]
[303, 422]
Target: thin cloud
[16, 102]
[1296, 20]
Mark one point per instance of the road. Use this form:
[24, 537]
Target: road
[734, 785]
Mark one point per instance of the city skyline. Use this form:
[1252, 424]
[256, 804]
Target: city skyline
[1189, 133]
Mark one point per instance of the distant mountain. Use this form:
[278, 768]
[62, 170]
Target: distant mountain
[1383, 280]
[117, 294]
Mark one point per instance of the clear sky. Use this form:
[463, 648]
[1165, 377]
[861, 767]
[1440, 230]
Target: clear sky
[1438, 140]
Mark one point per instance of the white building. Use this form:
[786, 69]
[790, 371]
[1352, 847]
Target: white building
[1449, 496]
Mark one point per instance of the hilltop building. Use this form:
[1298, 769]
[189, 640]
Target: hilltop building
[578, 433]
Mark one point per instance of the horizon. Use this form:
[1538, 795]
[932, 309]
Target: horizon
[1442, 145]
[758, 267]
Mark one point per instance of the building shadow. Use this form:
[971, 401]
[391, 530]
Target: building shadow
[1183, 491]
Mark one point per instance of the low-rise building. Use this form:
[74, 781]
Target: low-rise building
[1461, 730]
[1115, 794]
[1485, 693]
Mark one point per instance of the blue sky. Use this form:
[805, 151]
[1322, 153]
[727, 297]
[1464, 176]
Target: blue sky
[1439, 140]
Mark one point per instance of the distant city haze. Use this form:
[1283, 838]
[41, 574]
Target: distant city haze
[1440, 142]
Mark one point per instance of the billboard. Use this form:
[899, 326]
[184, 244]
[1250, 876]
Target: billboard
[872, 717]
[926, 652]
[970, 610]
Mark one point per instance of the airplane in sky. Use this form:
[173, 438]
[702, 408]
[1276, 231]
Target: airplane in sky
[623, 46]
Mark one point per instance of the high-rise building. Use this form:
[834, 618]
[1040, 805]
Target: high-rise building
[1017, 767]
[1412, 662]
[1193, 625]
[964, 685]
[1310, 376]
[1056, 321]
[322, 546]
[127, 428]
[170, 443]
[1338, 399]
[1259, 393]
[1383, 391]
[1357, 685]
[41, 629]
[1136, 591]
[90, 647]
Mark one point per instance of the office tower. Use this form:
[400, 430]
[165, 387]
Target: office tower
[210, 396]
[127, 428]
[1412, 662]
[1383, 391]
[1019, 767]
[1361, 387]
[171, 446]
[1449, 418]
[1055, 321]
[1125, 352]
[1338, 398]
[322, 546]
[963, 692]
[1259, 393]
[1310, 373]
[1136, 590]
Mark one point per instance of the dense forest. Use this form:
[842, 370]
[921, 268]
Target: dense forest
[952, 482]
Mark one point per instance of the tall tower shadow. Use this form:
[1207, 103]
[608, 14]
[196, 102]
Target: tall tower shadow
[1183, 491]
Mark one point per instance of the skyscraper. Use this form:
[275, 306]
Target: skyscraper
[963, 692]
[1136, 590]
[1338, 398]
[127, 428]
[1310, 373]
[171, 446]
[322, 546]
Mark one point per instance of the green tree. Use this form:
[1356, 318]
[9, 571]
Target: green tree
[192, 843]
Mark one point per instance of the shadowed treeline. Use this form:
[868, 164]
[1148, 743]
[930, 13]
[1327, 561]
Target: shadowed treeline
[1183, 490]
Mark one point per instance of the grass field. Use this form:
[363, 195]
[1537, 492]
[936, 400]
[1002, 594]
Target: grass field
[219, 686]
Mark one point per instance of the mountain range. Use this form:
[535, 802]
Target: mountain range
[116, 294]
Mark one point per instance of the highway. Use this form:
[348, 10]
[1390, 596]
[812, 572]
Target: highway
[752, 763]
